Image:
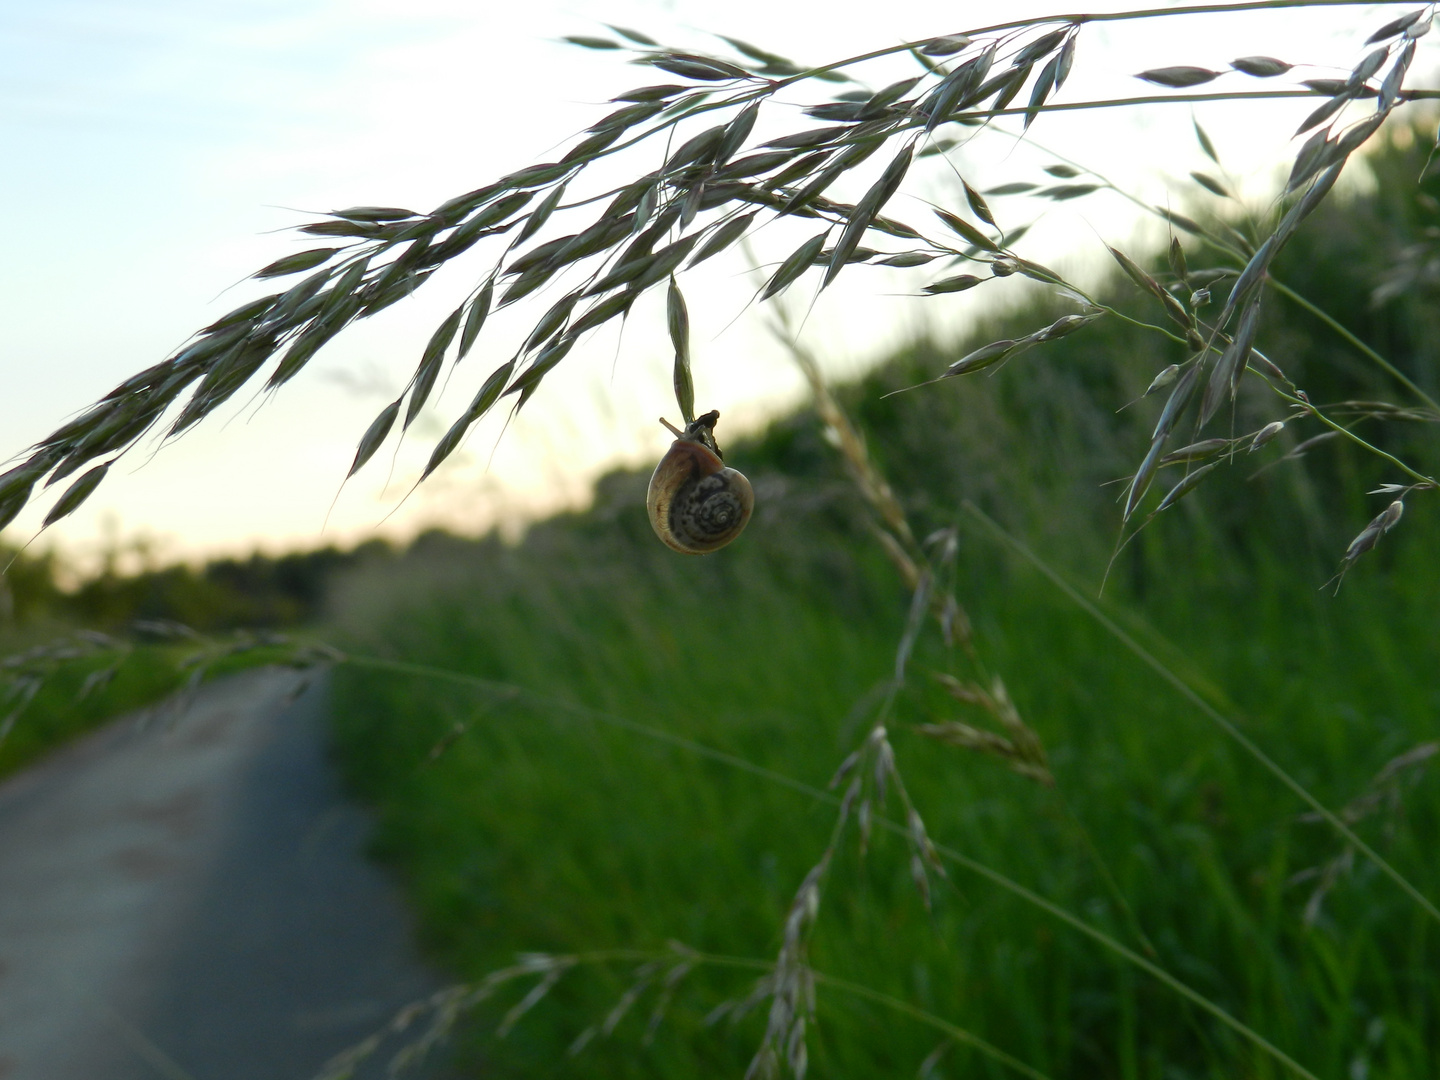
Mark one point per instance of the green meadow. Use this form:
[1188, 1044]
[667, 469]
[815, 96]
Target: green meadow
[623, 758]
[545, 827]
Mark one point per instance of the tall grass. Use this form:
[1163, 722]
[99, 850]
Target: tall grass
[541, 829]
[522, 820]
[615, 779]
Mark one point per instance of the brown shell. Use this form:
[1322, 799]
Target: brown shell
[696, 503]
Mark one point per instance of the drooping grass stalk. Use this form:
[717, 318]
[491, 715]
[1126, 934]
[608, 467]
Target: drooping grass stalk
[1180, 99]
[1211, 713]
[1220, 245]
[1340, 429]
[862, 468]
[1093, 17]
[682, 954]
[382, 254]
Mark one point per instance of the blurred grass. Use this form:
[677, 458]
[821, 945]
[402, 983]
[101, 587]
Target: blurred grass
[521, 822]
[64, 707]
[221, 599]
[85, 681]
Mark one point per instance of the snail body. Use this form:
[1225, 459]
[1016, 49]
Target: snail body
[697, 503]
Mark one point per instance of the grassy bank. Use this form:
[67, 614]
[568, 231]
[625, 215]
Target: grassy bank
[57, 684]
[79, 694]
[537, 825]
[73, 657]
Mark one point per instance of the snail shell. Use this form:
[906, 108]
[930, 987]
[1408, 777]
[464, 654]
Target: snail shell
[697, 504]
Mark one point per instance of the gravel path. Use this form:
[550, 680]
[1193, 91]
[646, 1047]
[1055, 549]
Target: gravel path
[188, 899]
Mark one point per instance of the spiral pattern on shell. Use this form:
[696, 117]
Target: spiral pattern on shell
[711, 510]
[697, 504]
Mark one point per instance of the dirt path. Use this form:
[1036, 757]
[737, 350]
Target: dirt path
[189, 899]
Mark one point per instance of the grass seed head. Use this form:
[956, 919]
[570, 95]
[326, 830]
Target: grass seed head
[1391, 516]
[1266, 433]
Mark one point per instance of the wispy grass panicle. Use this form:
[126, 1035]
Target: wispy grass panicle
[715, 183]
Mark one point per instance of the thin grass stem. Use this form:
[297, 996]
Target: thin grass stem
[1339, 328]
[959, 1034]
[1089, 17]
[1341, 429]
[1097, 935]
[512, 692]
[1111, 885]
[1214, 715]
[1165, 99]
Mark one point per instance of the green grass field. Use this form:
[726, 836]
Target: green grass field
[545, 827]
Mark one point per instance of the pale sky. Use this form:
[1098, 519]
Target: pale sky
[156, 150]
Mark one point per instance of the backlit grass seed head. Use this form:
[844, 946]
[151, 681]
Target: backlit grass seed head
[1164, 379]
[1266, 433]
[1195, 451]
[1391, 517]
[1383, 522]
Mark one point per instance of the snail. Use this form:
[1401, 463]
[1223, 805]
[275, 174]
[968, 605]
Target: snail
[697, 504]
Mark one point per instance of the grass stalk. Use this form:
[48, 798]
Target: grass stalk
[1339, 328]
[1091, 17]
[1214, 715]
